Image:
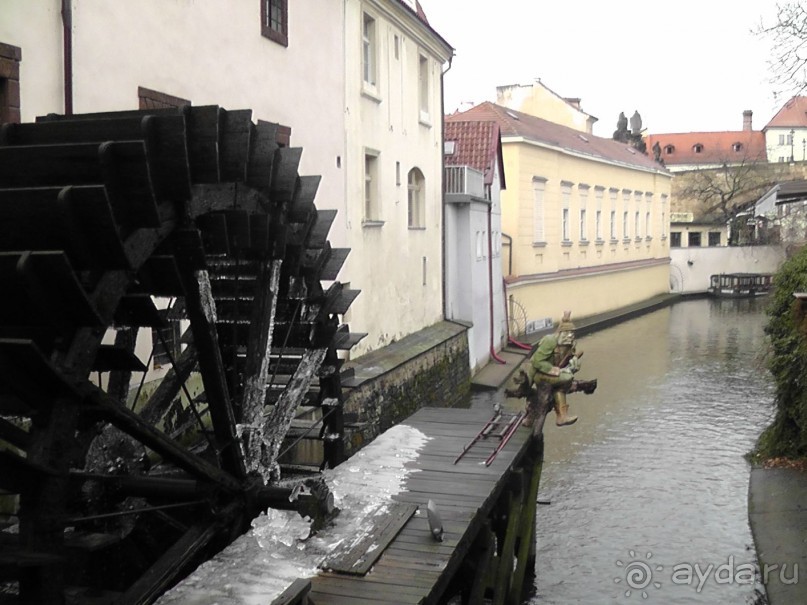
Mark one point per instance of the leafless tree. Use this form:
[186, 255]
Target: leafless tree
[788, 38]
[718, 192]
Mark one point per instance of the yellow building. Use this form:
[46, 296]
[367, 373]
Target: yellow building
[586, 220]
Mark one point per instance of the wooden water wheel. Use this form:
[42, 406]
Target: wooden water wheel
[103, 217]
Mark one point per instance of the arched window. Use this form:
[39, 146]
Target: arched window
[417, 210]
[737, 147]
[697, 148]
[669, 149]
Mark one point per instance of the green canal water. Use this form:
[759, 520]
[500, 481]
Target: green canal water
[649, 488]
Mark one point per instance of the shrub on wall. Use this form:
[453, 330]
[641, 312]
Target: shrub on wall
[787, 330]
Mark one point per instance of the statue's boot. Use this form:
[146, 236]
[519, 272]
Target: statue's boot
[529, 417]
[561, 410]
[587, 386]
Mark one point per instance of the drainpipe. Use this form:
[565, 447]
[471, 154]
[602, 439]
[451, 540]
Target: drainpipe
[493, 354]
[67, 38]
[443, 184]
[509, 253]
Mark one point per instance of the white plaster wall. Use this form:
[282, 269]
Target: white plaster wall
[211, 53]
[691, 268]
[398, 269]
[35, 26]
[469, 287]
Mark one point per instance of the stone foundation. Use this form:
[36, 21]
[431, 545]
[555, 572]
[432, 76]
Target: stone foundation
[428, 368]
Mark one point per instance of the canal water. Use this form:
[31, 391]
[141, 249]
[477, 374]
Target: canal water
[648, 490]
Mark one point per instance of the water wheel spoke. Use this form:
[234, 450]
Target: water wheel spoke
[201, 310]
[132, 424]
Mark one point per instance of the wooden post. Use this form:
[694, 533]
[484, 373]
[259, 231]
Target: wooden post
[526, 531]
[486, 549]
[505, 570]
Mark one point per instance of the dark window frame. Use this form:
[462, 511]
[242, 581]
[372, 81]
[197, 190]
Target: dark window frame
[675, 239]
[154, 99]
[279, 34]
[10, 107]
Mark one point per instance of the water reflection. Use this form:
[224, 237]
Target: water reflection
[651, 481]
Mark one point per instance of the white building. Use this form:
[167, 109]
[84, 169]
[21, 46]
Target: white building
[393, 208]
[473, 243]
[357, 83]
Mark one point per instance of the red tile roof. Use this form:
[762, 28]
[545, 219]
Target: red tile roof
[792, 114]
[517, 124]
[732, 147]
[476, 144]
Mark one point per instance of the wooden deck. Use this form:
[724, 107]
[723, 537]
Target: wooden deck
[415, 568]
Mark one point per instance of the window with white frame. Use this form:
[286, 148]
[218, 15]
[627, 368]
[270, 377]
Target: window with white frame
[648, 231]
[423, 88]
[598, 196]
[583, 237]
[369, 51]
[538, 191]
[566, 196]
[612, 193]
[371, 202]
[565, 224]
[416, 209]
[480, 245]
[625, 210]
[663, 205]
[637, 226]
[583, 193]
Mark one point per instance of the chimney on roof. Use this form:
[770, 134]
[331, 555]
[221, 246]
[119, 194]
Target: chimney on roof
[747, 120]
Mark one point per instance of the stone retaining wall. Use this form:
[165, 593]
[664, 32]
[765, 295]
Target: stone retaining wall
[423, 374]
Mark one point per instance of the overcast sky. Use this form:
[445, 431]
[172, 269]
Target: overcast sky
[685, 65]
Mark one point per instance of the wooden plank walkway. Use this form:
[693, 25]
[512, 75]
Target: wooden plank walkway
[415, 568]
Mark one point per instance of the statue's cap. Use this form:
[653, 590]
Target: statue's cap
[566, 324]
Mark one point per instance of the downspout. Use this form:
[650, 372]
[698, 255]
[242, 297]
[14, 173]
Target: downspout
[67, 38]
[493, 354]
[443, 186]
[509, 253]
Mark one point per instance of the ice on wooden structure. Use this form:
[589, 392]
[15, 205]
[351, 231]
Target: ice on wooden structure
[262, 563]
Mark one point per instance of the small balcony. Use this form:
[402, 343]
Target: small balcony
[463, 184]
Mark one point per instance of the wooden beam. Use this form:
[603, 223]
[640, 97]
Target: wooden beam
[259, 347]
[171, 566]
[279, 421]
[134, 426]
[201, 310]
[169, 386]
[526, 531]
